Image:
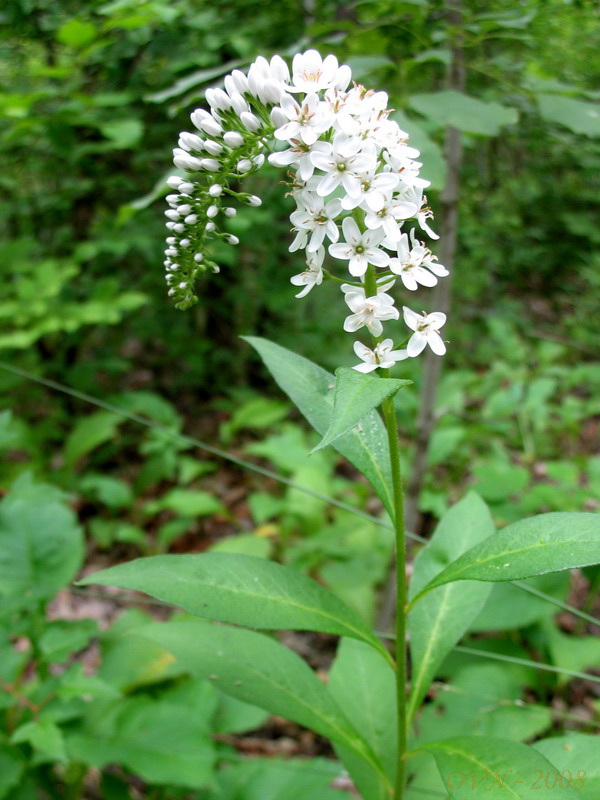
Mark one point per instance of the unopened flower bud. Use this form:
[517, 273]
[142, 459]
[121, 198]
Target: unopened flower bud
[179, 227]
[184, 209]
[250, 121]
[211, 126]
[277, 117]
[216, 98]
[244, 165]
[186, 161]
[215, 190]
[198, 258]
[172, 214]
[191, 219]
[238, 104]
[253, 200]
[230, 212]
[214, 148]
[211, 164]
[240, 81]
[190, 141]
[233, 139]
[212, 211]
[173, 181]
[210, 227]
[231, 239]
[186, 188]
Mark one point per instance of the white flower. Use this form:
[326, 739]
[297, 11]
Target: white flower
[372, 191]
[383, 356]
[369, 311]
[313, 275]
[297, 155]
[410, 264]
[307, 121]
[342, 162]
[311, 73]
[387, 217]
[360, 249]
[315, 216]
[425, 327]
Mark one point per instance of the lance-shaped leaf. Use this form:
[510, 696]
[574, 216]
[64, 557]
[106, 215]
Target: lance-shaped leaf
[365, 687]
[578, 754]
[258, 670]
[439, 619]
[503, 769]
[355, 395]
[311, 388]
[240, 589]
[534, 546]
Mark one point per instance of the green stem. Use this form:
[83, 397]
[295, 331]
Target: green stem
[389, 415]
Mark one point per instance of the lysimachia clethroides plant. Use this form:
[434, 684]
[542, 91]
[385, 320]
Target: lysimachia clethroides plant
[360, 213]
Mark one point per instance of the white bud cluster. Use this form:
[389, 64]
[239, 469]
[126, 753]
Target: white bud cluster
[355, 180]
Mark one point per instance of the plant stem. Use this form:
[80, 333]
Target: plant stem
[389, 414]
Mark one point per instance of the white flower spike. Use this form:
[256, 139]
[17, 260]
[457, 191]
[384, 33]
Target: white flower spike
[352, 172]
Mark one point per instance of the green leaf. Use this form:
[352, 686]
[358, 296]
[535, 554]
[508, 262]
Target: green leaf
[467, 114]
[242, 590]
[439, 619]
[259, 412]
[363, 684]
[577, 115]
[90, 432]
[355, 396]
[45, 737]
[62, 638]
[123, 133]
[469, 762]
[483, 699]
[257, 669]
[76, 33]
[508, 607]
[130, 661]
[578, 754]
[187, 502]
[275, 779]
[309, 387]
[534, 546]
[11, 769]
[41, 545]
[160, 741]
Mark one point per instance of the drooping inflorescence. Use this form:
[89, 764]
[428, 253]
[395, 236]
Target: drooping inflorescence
[354, 177]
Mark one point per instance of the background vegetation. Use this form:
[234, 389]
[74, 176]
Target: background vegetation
[92, 97]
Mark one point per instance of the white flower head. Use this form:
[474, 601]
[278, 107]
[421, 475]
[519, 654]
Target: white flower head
[360, 249]
[426, 332]
[311, 73]
[312, 275]
[369, 311]
[307, 120]
[383, 356]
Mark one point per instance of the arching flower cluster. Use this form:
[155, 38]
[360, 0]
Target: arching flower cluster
[354, 177]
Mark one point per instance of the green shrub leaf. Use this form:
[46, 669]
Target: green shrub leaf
[355, 396]
[546, 543]
[310, 388]
[257, 669]
[440, 618]
[472, 765]
[364, 686]
[239, 589]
